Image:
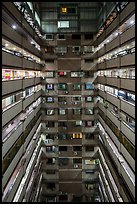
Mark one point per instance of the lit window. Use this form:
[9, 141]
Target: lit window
[50, 112]
[77, 135]
[89, 86]
[79, 123]
[50, 99]
[77, 86]
[63, 24]
[89, 111]
[62, 86]
[88, 99]
[64, 10]
[77, 111]
[62, 111]
[49, 86]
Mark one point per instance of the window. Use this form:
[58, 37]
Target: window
[50, 171]
[63, 10]
[89, 148]
[62, 124]
[77, 161]
[88, 99]
[88, 36]
[78, 123]
[50, 124]
[77, 135]
[49, 99]
[76, 36]
[88, 123]
[62, 111]
[48, 36]
[77, 111]
[50, 112]
[62, 86]
[50, 86]
[63, 161]
[63, 198]
[61, 37]
[89, 86]
[51, 160]
[77, 74]
[62, 100]
[64, 136]
[61, 74]
[88, 60]
[68, 10]
[89, 111]
[76, 49]
[49, 74]
[77, 148]
[76, 99]
[63, 24]
[62, 148]
[77, 87]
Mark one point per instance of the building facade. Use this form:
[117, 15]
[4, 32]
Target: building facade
[68, 102]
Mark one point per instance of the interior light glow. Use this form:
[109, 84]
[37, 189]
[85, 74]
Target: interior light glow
[14, 27]
[131, 22]
[64, 10]
[6, 45]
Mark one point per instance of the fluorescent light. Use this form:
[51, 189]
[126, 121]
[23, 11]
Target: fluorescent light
[14, 27]
[131, 22]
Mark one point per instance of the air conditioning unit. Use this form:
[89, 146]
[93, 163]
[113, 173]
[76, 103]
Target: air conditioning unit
[75, 166]
[75, 153]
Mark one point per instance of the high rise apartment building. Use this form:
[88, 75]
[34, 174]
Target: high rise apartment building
[68, 101]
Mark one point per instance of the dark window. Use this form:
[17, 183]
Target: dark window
[49, 37]
[77, 161]
[88, 60]
[63, 197]
[77, 148]
[89, 148]
[62, 148]
[61, 36]
[49, 60]
[88, 36]
[76, 36]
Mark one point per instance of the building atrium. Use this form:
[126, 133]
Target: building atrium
[68, 102]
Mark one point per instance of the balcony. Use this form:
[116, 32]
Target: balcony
[128, 108]
[113, 81]
[11, 139]
[11, 86]
[113, 44]
[128, 132]
[10, 113]
[128, 34]
[28, 101]
[93, 176]
[128, 84]
[113, 99]
[12, 165]
[128, 60]
[113, 63]
[101, 65]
